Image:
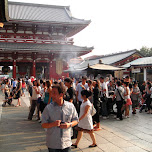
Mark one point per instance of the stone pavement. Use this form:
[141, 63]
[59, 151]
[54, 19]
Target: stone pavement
[19, 135]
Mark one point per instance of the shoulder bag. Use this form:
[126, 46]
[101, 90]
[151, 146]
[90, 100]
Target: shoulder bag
[123, 100]
[93, 112]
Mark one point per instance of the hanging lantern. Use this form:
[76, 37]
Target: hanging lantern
[59, 66]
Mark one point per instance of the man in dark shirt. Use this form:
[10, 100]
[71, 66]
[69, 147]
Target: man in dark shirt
[142, 88]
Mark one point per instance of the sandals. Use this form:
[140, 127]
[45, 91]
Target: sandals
[17, 105]
[91, 146]
[97, 129]
[75, 146]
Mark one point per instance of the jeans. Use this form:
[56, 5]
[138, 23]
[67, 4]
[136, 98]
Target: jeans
[119, 107]
[104, 107]
[148, 103]
[60, 150]
[33, 106]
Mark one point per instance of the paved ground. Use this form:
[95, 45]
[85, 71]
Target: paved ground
[18, 135]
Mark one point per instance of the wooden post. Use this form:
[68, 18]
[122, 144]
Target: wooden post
[145, 74]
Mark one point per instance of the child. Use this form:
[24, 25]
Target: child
[8, 100]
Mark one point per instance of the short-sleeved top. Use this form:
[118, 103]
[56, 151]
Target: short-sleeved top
[121, 91]
[79, 89]
[86, 122]
[14, 84]
[135, 96]
[57, 138]
[104, 86]
[35, 96]
[69, 94]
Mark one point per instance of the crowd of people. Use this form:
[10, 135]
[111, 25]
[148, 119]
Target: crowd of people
[58, 104]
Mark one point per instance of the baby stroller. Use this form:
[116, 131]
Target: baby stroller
[8, 100]
[142, 104]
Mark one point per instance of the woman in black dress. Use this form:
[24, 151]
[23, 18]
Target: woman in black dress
[96, 103]
[69, 95]
[18, 92]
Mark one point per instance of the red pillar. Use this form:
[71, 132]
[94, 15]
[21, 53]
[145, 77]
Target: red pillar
[50, 70]
[14, 69]
[34, 69]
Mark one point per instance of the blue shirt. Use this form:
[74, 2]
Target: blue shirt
[14, 83]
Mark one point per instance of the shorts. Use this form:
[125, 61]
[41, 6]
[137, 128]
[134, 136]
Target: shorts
[135, 103]
[23, 90]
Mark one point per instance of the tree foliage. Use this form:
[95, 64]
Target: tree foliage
[145, 51]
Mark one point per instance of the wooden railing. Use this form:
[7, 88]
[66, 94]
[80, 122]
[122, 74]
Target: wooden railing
[35, 41]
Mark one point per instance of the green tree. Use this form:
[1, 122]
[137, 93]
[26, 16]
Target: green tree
[145, 51]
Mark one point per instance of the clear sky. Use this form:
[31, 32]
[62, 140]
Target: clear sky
[117, 25]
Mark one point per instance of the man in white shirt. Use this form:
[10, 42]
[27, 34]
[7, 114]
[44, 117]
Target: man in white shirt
[104, 96]
[81, 86]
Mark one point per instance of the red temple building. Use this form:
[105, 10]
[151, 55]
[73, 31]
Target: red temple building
[37, 40]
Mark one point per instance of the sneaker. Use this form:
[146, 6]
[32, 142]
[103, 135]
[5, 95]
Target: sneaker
[117, 118]
[114, 117]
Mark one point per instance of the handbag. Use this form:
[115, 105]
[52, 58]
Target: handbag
[93, 112]
[15, 96]
[123, 100]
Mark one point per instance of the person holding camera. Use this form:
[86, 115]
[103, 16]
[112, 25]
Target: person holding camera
[59, 117]
[118, 96]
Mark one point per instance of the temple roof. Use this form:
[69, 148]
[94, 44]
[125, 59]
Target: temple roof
[112, 58]
[42, 13]
[35, 47]
[97, 66]
[139, 62]
[107, 59]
